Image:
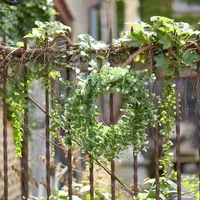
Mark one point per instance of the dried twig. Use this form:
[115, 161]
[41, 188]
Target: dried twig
[132, 56]
[69, 42]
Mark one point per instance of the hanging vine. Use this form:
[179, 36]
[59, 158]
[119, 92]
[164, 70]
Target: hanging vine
[174, 46]
[167, 108]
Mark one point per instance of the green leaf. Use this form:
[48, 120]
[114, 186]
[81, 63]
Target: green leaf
[197, 196]
[162, 61]
[97, 45]
[137, 58]
[190, 58]
[183, 28]
[172, 184]
[30, 35]
[161, 19]
[139, 26]
[151, 194]
[85, 40]
[52, 197]
[54, 74]
[20, 44]
[55, 192]
[136, 39]
[53, 27]
[166, 41]
[87, 197]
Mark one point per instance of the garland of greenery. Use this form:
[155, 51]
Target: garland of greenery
[98, 138]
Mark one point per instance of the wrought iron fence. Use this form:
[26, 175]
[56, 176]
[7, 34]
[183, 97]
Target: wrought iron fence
[25, 172]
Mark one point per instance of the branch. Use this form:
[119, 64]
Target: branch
[68, 40]
[116, 178]
[192, 44]
[131, 57]
[38, 54]
[29, 53]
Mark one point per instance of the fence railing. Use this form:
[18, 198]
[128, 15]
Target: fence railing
[4, 65]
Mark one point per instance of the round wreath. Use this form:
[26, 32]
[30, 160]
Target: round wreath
[99, 139]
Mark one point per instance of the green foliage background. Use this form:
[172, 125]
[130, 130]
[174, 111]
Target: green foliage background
[192, 1]
[150, 8]
[18, 20]
[155, 7]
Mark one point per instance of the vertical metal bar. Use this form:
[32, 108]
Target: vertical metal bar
[25, 139]
[69, 151]
[135, 164]
[48, 189]
[132, 63]
[156, 148]
[113, 187]
[198, 110]
[131, 28]
[91, 179]
[112, 121]
[135, 174]
[91, 169]
[178, 143]
[5, 158]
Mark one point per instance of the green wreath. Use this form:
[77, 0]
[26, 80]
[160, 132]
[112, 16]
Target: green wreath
[137, 106]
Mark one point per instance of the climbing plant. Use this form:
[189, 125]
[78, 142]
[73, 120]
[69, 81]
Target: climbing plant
[99, 69]
[172, 45]
[167, 108]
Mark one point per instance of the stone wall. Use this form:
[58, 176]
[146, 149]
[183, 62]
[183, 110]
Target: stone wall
[14, 182]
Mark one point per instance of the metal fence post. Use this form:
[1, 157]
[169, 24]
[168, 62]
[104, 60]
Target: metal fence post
[156, 147]
[111, 108]
[69, 150]
[25, 138]
[5, 134]
[178, 142]
[198, 115]
[47, 122]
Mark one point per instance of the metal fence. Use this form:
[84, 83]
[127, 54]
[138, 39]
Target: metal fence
[114, 178]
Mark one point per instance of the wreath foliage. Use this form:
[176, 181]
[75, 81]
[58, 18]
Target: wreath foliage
[100, 139]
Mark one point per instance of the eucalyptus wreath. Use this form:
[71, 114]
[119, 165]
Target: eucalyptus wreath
[102, 140]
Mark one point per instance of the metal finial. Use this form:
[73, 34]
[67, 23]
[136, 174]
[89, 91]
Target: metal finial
[110, 36]
[131, 28]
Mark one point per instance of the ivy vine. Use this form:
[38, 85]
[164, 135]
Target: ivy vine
[171, 46]
[17, 110]
[98, 138]
[167, 108]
